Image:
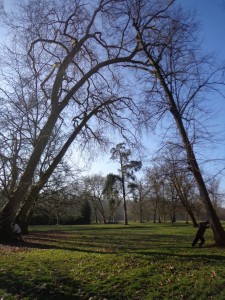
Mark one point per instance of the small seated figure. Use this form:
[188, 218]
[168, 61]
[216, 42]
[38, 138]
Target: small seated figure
[17, 232]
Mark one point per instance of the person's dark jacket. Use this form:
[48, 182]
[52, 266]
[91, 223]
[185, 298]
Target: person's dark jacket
[202, 228]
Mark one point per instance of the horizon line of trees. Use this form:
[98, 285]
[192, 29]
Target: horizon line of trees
[166, 192]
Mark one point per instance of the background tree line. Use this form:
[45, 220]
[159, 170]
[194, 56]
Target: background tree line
[164, 192]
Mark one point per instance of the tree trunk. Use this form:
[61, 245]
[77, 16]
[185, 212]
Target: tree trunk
[141, 210]
[25, 223]
[192, 216]
[184, 201]
[96, 215]
[11, 209]
[187, 222]
[27, 209]
[104, 219]
[154, 217]
[173, 217]
[218, 231]
[124, 196]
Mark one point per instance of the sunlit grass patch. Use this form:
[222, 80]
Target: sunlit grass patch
[146, 261]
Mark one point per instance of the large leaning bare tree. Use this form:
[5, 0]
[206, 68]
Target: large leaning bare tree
[71, 50]
[177, 77]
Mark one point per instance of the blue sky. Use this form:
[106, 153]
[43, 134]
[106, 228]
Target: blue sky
[211, 16]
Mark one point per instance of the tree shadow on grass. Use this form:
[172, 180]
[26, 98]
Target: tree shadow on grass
[170, 245]
[31, 245]
[82, 243]
[200, 257]
[59, 288]
[94, 244]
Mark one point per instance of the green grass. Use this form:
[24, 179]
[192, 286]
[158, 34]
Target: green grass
[113, 262]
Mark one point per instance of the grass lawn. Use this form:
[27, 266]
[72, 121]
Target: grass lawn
[112, 262]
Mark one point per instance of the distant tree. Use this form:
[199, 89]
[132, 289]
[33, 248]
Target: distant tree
[139, 190]
[214, 191]
[127, 168]
[155, 192]
[111, 191]
[86, 212]
[178, 179]
[93, 188]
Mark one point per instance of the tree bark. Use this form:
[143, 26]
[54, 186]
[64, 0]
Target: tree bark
[124, 197]
[29, 202]
[192, 216]
[218, 231]
[27, 210]
[11, 209]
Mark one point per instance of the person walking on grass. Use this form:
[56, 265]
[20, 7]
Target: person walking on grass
[200, 233]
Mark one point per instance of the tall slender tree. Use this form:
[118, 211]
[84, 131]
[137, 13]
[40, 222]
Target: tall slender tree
[127, 167]
[177, 77]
